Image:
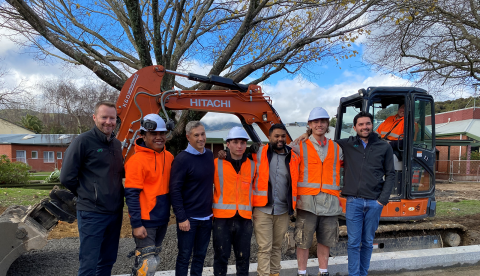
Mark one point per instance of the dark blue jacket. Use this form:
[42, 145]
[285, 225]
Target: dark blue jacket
[93, 170]
[191, 185]
[366, 167]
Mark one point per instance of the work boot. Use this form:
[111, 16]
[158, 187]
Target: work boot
[323, 274]
[277, 274]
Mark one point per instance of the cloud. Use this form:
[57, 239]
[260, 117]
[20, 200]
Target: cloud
[295, 98]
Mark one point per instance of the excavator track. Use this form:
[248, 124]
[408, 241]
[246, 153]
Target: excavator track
[391, 237]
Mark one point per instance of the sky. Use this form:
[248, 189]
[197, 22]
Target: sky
[293, 96]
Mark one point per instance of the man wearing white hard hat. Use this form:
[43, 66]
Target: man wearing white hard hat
[318, 192]
[147, 176]
[232, 205]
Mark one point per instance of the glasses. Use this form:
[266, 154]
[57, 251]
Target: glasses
[158, 133]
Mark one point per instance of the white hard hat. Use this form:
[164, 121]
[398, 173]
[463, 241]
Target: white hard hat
[237, 133]
[318, 113]
[153, 122]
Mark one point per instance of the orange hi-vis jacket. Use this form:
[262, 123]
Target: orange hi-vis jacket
[396, 127]
[147, 177]
[233, 192]
[316, 176]
[260, 187]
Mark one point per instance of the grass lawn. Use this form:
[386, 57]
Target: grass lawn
[456, 209]
[16, 196]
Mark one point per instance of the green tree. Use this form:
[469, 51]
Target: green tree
[333, 122]
[32, 123]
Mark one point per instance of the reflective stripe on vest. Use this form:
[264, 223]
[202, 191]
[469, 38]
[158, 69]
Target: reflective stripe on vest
[391, 134]
[315, 185]
[260, 189]
[220, 204]
[256, 192]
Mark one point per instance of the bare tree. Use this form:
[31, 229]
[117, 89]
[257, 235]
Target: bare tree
[62, 97]
[435, 43]
[11, 97]
[237, 38]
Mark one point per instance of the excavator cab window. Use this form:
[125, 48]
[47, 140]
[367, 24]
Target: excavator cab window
[349, 113]
[423, 152]
[383, 107]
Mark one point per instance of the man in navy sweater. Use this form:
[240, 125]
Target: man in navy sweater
[191, 194]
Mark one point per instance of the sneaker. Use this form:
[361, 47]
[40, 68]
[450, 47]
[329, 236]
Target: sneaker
[323, 274]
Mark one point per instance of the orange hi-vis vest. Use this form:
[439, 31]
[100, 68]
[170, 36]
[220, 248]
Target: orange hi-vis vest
[233, 192]
[260, 187]
[315, 175]
[390, 124]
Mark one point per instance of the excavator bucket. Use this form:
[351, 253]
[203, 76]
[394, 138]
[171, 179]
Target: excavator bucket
[26, 228]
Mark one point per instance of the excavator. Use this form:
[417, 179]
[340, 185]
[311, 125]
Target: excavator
[412, 198]
[402, 222]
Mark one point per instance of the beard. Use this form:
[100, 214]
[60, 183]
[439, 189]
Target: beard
[276, 147]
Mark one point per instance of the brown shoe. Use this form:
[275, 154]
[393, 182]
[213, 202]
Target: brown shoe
[278, 274]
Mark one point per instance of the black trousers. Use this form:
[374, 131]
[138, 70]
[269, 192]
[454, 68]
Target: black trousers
[236, 231]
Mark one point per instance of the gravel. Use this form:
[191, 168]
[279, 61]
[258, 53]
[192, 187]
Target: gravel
[60, 257]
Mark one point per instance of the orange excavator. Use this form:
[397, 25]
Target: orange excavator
[413, 197]
[141, 95]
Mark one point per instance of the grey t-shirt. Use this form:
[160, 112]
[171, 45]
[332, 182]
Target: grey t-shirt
[322, 204]
[278, 177]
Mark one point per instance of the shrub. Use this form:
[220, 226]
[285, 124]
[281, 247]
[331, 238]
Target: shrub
[474, 155]
[13, 172]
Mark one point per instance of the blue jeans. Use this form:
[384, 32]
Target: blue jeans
[363, 216]
[196, 240]
[99, 237]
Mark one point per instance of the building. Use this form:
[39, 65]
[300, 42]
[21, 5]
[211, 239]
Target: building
[457, 135]
[7, 127]
[43, 152]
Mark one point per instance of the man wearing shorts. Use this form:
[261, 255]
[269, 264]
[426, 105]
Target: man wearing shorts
[318, 190]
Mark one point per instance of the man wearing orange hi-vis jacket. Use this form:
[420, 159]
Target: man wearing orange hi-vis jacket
[318, 191]
[232, 205]
[147, 193]
[274, 198]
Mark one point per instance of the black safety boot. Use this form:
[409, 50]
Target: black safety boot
[323, 274]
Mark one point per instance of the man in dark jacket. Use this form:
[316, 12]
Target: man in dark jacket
[93, 171]
[191, 194]
[368, 182]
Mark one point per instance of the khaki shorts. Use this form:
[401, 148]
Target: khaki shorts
[308, 223]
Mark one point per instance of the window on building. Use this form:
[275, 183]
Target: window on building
[59, 155]
[48, 157]
[34, 154]
[21, 156]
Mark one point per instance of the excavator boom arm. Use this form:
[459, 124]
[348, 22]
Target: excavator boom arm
[142, 95]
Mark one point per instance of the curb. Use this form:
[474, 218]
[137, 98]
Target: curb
[380, 262]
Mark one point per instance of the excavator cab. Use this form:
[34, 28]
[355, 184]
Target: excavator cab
[413, 196]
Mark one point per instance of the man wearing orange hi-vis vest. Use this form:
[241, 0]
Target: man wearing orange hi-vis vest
[318, 191]
[232, 205]
[274, 198]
